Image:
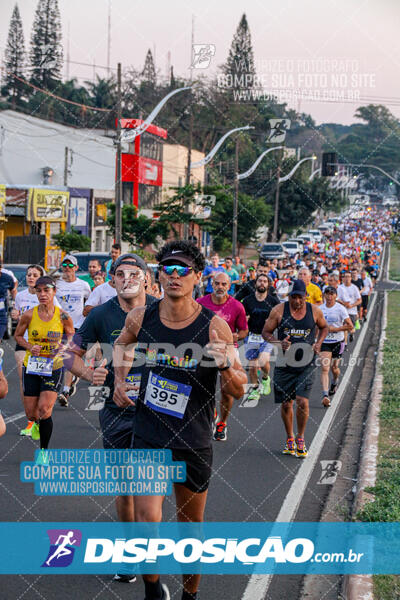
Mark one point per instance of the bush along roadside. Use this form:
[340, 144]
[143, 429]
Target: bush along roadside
[386, 503]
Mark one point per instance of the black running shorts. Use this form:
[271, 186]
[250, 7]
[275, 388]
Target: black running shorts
[117, 427]
[334, 347]
[34, 384]
[198, 464]
[364, 302]
[289, 383]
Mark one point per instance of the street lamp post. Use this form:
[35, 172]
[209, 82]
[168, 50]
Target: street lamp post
[244, 176]
[282, 180]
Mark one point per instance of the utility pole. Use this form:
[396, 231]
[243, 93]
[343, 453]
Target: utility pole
[66, 151]
[276, 214]
[190, 140]
[118, 181]
[235, 200]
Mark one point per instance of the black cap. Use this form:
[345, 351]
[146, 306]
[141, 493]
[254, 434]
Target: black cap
[177, 256]
[46, 280]
[330, 290]
[129, 259]
[299, 288]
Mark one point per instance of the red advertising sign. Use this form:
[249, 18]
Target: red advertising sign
[150, 171]
[140, 169]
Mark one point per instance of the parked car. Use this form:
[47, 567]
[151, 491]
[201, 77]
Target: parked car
[292, 248]
[307, 238]
[83, 259]
[272, 250]
[326, 228]
[316, 234]
[298, 241]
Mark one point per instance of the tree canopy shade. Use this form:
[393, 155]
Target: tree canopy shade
[72, 240]
[137, 230]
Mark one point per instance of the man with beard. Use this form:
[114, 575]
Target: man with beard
[258, 351]
[232, 311]
[296, 322]
[103, 325]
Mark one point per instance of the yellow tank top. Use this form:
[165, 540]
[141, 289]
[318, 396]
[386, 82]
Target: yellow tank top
[47, 334]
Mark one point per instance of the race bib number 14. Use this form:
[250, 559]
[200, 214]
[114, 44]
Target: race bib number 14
[167, 396]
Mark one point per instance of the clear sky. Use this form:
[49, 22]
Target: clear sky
[343, 51]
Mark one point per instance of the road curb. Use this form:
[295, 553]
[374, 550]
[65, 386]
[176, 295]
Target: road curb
[361, 586]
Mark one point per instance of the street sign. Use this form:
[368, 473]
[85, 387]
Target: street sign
[279, 127]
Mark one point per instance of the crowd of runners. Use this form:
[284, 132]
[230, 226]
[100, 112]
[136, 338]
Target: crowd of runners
[185, 335]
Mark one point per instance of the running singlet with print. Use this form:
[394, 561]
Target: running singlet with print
[300, 331]
[48, 335]
[177, 392]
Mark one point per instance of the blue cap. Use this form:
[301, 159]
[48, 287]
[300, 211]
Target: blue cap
[299, 288]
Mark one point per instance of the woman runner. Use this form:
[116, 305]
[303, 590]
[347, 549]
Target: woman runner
[42, 372]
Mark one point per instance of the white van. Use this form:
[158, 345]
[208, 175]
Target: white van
[315, 234]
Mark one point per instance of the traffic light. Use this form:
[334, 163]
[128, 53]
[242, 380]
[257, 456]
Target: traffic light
[329, 164]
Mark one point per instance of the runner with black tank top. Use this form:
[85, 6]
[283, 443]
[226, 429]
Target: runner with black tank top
[185, 346]
[102, 326]
[297, 322]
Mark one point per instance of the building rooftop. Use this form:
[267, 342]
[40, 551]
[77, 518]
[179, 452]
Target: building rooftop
[28, 144]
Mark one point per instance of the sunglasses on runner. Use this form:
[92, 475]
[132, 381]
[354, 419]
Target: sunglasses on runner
[180, 269]
[68, 264]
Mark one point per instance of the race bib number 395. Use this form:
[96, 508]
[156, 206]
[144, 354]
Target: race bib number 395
[167, 396]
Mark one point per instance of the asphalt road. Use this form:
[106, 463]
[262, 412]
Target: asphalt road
[251, 481]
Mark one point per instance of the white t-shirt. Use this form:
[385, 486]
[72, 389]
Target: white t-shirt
[24, 301]
[10, 273]
[101, 294]
[353, 294]
[71, 296]
[335, 317]
[367, 286]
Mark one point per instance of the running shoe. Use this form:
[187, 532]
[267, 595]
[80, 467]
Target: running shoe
[290, 447]
[63, 399]
[73, 387]
[326, 401]
[28, 429]
[266, 386]
[220, 432]
[333, 389]
[35, 433]
[301, 450]
[124, 578]
[43, 458]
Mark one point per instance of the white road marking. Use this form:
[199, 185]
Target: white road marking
[258, 585]
[14, 417]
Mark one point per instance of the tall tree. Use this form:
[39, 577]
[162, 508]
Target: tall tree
[46, 50]
[149, 69]
[14, 58]
[239, 68]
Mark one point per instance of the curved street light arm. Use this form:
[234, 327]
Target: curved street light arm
[206, 159]
[288, 176]
[257, 162]
[131, 134]
[379, 169]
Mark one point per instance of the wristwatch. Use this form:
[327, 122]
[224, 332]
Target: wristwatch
[227, 366]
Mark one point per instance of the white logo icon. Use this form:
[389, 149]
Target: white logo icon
[62, 549]
[279, 127]
[151, 172]
[47, 58]
[97, 397]
[202, 55]
[330, 471]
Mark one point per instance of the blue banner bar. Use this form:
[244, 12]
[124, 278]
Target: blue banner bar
[220, 548]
